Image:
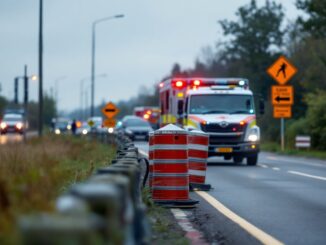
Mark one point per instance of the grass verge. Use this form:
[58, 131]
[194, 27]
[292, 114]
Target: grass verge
[165, 229]
[34, 174]
[273, 147]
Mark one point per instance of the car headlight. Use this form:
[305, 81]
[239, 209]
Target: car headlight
[110, 130]
[19, 125]
[3, 125]
[57, 131]
[253, 135]
[84, 131]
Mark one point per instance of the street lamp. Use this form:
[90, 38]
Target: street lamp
[82, 92]
[93, 55]
[25, 79]
[56, 86]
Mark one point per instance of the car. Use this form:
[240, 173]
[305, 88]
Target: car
[13, 123]
[96, 124]
[135, 128]
[61, 126]
[84, 129]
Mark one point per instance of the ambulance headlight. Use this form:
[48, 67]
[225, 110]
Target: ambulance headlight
[253, 135]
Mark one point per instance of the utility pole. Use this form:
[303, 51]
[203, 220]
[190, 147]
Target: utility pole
[16, 89]
[25, 99]
[40, 66]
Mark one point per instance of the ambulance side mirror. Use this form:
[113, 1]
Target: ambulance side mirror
[180, 107]
[261, 106]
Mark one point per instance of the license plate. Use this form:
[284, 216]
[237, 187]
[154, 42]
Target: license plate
[224, 150]
[139, 137]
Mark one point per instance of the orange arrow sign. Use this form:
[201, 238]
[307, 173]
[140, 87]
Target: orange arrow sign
[110, 110]
[282, 70]
[282, 95]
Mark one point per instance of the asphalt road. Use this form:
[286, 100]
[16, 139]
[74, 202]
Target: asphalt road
[15, 138]
[284, 197]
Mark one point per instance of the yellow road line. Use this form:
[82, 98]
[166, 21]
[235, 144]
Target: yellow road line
[260, 235]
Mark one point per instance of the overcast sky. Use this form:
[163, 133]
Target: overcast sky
[133, 51]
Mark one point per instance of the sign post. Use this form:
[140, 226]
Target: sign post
[282, 96]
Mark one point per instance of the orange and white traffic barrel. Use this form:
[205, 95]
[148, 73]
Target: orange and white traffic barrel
[197, 159]
[150, 158]
[170, 182]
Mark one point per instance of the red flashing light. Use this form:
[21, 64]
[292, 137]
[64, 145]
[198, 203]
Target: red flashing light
[196, 83]
[179, 84]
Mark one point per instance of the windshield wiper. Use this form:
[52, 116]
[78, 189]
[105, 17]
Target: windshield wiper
[240, 111]
[213, 111]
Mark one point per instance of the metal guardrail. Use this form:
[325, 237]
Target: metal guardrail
[105, 209]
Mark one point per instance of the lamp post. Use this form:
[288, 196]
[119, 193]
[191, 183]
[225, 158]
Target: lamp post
[40, 67]
[83, 93]
[56, 91]
[26, 91]
[93, 55]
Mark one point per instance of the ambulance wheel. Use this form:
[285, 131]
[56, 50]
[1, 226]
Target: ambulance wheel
[237, 159]
[252, 161]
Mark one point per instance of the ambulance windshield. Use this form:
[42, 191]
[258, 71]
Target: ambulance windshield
[221, 104]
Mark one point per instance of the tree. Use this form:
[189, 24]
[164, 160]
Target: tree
[315, 25]
[254, 40]
[3, 104]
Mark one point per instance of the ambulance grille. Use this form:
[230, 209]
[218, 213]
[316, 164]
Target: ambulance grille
[217, 128]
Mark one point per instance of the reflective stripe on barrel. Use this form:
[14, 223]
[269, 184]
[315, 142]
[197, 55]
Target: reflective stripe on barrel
[197, 153]
[150, 158]
[170, 179]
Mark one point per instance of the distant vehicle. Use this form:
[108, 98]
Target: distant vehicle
[135, 128]
[97, 124]
[13, 123]
[61, 126]
[149, 113]
[84, 129]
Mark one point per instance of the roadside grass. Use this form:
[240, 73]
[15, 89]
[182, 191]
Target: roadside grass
[34, 174]
[165, 229]
[273, 147]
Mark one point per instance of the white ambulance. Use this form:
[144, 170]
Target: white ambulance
[222, 107]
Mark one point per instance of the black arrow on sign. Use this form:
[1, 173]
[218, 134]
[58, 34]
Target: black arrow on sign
[278, 99]
[110, 110]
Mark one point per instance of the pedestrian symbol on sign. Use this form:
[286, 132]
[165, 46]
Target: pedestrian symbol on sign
[282, 69]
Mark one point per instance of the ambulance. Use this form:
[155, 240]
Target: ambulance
[222, 107]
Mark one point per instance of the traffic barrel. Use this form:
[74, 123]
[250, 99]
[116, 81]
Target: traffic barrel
[150, 158]
[197, 159]
[170, 182]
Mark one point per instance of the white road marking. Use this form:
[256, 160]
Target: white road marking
[276, 169]
[260, 235]
[282, 159]
[307, 175]
[263, 165]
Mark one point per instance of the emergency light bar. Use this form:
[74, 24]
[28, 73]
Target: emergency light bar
[181, 83]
